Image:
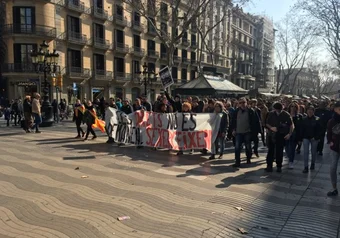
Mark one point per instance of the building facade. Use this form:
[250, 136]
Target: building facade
[102, 45]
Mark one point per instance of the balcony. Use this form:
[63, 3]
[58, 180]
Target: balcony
[76, 38]
[100, 13]
[153, 54]
[121, 21]
[101, 43]
[151, 31]
[184, 81]
[137, 26]
[164, 16]
[78, 6]
[185, 42]
[137, 51]
[185, 61]
[164, 56]
[9, 68]
[193, 29]
[193, 45]
[193, 62]
[78, 72]
[121, 76]
[30, 30]
[101, 74]
[121, 48]
[177, 59]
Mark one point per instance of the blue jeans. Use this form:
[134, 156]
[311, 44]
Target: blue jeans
[239, 140]
[218, 145]
[290, 147]
[37, 121]
[314, 146]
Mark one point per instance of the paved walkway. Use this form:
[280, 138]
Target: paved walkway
[42, 195]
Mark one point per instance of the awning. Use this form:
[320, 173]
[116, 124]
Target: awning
[305, 96]
[313, 97]
[273, 95]
[209, 85]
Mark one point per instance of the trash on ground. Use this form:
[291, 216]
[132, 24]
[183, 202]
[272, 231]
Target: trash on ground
[242, 231]
[123, 218]
[239, 208]
[76, 168]
[84, 176]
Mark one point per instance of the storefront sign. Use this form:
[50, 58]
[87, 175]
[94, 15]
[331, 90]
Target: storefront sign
[26, 84]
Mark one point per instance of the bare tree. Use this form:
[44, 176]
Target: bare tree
[326, 15]
[296, 38]
[182, 14]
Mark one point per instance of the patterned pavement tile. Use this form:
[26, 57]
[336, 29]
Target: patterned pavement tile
[42, 195]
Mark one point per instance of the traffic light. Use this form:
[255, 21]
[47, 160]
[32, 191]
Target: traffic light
[54, 81]
[60, 81]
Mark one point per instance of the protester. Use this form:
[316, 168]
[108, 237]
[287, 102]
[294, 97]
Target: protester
[89, 120]
[333, 139]
[280, 126]
[78, 114]
[293, 141]
[310, 134]
[243, 124]
[218, 146]
[325, 115]
[36, 112]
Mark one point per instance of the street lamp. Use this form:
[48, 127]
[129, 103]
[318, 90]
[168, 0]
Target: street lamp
[148, 77]
[45, 62]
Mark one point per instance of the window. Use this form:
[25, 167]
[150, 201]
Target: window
[22, 53]
[174, 73]
[184, 74]
[98, 3]
[135, 66]
[73, 24]
[99, 62]
[119, 93]
[98, 31]
[151, 67]
[151, 45]
[184, 54]
[185, 37]
[193, 56]
[164, 29]
[119, 11]
[136, 41]
[164, 8]
[136, 18]
[120, 36]
[176, 52]
[192, 74]
[23, 19]
[151, 27]
[74, 58]
[251, 30]
[193, 38]
[119, 65]
[163, 50]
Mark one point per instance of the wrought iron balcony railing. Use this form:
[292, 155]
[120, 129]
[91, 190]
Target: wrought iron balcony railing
[121, 21]
[100, 13]
[32, 30]
[101, 43]
[137, 51]
[77, 38]
[74, 71]
[153, 54]
[185, 42]
[18, 68]
[78, 6]
[137, 26]
[103, 74]
[121, 48]
[122, 76]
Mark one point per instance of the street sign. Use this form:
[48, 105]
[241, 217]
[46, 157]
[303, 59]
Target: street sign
[166, 77]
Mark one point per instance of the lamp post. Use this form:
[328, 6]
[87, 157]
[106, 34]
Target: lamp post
[45, 62]
[148, 77]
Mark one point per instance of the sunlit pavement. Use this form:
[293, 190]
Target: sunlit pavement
[44, 194]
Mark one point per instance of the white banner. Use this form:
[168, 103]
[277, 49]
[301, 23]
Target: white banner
[177, 131]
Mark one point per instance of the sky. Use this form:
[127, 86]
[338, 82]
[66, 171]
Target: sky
[274, 9]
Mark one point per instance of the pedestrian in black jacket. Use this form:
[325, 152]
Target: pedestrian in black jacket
[310, 135]
[219, 143]
[325, 115]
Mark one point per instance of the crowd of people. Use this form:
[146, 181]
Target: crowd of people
[282, 125]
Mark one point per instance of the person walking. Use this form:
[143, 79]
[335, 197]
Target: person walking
[280, 126]
[310, 135]
[243, 123]
[255, 133]
[78, 114]
[325, 115]
[36, 112]
[219, 143]
[293, 110]
[28, 114]
[333, 139]
[90, 119]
